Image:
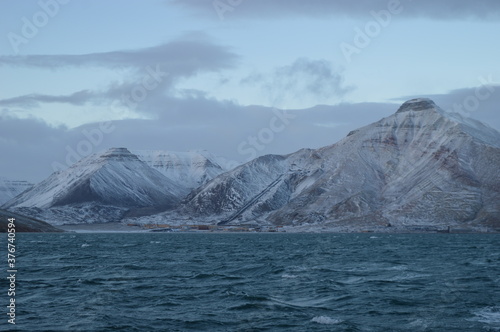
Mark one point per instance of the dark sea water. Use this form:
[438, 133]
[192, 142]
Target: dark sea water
[256, 282]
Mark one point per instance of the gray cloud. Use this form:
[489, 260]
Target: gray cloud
[181, 125]
[303, 78]
[33, 100]
[185, 56]
[196, 122]
[435, 9]
[316, 77]
[31, 145]
[113, 94]
[154, 70]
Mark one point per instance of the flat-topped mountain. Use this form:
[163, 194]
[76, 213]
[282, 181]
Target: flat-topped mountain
[99, 188]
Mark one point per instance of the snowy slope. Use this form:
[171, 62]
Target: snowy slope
[188, 170]
[420, 166]
[11, 188]
[99, 187]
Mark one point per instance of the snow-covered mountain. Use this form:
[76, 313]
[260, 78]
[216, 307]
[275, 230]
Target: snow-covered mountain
[188, 170]
[419, 166]
[11, 188]
[99, 188]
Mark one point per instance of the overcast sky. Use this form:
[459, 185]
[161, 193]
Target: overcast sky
[239, 78]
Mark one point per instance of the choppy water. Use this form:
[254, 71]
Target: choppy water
[256, 282]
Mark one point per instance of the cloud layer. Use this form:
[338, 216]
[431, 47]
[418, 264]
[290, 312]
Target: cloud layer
[434, 9]
[190, 124]
[152, 72]
[34, 100]
[200, 123]
[182, 57]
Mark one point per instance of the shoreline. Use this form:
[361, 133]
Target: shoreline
[117, 227]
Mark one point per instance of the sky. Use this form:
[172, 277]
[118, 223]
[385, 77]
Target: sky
[237, 78]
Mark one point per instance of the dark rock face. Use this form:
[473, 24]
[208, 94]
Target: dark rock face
[25, 224]
[420, 104]
[78, 193]
[119, 154]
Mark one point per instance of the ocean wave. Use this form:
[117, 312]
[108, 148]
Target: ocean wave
[489, 315]
[326, 320]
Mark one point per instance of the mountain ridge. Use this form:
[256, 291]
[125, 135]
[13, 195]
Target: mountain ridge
[388, 172]
[188, 170]
[418, 166]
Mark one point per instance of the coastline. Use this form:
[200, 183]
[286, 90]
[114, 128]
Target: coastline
[117, 227]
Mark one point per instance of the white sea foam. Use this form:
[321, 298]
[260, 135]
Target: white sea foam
[288, 276]
[299, 268]
[420, 323]
[489, 315]
[326, 320]
[85, 245]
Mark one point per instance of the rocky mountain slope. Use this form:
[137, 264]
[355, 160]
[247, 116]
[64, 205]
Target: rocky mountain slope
[25, 224]
[99, 188]
[419, 166]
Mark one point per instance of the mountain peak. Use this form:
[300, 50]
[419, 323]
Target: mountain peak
[118, 154]
[115, 180]
[418, 104]
[420, 166]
